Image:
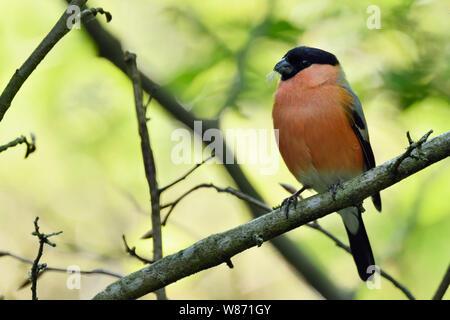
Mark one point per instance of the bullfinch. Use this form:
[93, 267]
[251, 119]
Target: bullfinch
[323, 136]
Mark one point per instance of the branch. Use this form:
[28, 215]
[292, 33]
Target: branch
[31, 146]
[219, 248]
[37, 267]
[95, 11]
[48, 268]
[110, 48]
[314, 225]
[149, 233]
[443, 286]
[412, 146]
[229, 190]
[132, 252]
[170, 185]
[21, 75]
[149, 161]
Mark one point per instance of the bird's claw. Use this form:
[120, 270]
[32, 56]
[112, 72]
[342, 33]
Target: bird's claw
[288, 202]
[293, 199]
[333, 188]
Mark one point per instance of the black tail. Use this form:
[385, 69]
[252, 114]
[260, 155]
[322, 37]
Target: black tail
[361, 250]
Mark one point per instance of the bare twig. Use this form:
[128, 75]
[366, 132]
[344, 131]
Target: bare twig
[49, 268]
[161, 190]
[21, 75]
[94, 11]
[132, 252]
[31, 145]
[239, 83]
[229, 190]
[443, 286]
[211, 251]
[412, 146]
[37, 267]
[149, 161]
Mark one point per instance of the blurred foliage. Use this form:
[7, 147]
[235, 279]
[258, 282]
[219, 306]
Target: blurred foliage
[87, 179]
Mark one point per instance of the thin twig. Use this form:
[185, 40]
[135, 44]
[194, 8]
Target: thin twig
[37, 267]
[229, 190]
[94, 11]
[49, 268]
[21, 75]
[132, 252]
[161, 190]
[31, 145]
[149, 161]
[412, 146]
[443, 286]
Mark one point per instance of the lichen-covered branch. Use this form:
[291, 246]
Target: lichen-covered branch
[219, 248]
[314, 225]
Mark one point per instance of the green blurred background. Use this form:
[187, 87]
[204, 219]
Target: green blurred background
[87, 179]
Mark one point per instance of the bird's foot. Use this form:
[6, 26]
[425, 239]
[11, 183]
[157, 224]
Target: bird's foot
[334, 188]
[292, 200]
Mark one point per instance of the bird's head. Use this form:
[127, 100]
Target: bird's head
[300, 58]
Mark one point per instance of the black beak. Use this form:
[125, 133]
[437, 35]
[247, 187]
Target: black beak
[283, 67]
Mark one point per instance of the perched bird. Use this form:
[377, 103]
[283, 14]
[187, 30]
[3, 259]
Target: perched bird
[323, 136]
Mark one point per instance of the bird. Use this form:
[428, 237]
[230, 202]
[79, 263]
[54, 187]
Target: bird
[323, 136]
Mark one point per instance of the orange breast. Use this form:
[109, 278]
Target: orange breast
[314, 129]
